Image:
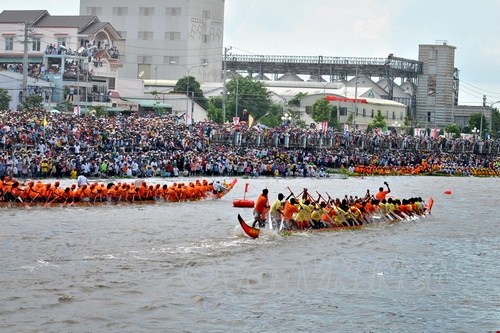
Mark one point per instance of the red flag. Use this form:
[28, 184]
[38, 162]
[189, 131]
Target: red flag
[324, 126]
[246, 187]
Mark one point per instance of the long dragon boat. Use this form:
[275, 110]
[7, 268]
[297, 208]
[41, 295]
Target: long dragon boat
[350, 222]
[52, 195]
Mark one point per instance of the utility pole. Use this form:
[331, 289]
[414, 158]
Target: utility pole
[27, 32]
[355, 99]
[224, 92]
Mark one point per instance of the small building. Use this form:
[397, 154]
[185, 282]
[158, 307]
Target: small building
[12, 81]
[79, 55]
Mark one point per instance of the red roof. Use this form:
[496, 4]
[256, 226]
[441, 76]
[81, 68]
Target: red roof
[345, 99]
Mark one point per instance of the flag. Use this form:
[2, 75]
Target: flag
[246, 187]
[324, 126]
[250, 120]
[45, 121]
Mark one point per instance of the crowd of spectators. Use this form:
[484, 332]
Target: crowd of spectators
[48, 145]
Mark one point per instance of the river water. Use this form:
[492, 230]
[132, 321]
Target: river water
[187, 267]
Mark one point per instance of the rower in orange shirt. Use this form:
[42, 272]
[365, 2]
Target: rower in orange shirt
[39, 191]
[289, 210]
[261, 208]
[381, 193]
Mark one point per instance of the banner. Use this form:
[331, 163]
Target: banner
[250, 120]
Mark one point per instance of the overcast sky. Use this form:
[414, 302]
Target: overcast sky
[360, 28]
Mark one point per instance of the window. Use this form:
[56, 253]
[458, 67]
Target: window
[123, 34]
[364, 112]
[172, 35]
[146, 11]
[373, 113]
[120, 11]
[94, 11]
[61, 41]
[145, 35]
[357, 111]
[206, 14]
[174, 11]
[9, 43]
[387, 114]
[432, 54]
[343, 111]
[169, 59]
[35, 44]
[393, 115]
[142, 59]
[206, 39]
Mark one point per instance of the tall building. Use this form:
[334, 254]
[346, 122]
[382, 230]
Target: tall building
[437, 85]
[166, 39]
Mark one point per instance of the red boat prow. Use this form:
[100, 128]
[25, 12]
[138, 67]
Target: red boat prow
[251, 232]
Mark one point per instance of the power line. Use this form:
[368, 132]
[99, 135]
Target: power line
[481, 91]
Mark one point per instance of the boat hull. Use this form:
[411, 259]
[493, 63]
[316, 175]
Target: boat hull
[379, 219]
[249, 231]
[100, 201]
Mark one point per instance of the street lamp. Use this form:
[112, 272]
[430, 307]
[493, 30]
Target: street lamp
[236, 108]
[356, 99]
[286, 118]
[189, 119]
[474, 131]
[156, 78]
[396, 125]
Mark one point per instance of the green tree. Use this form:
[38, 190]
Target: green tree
[295, 101]
[214, 109]
[273, 117]
[495, 123]
[475, 121]
[101, 110]
[322, 111]
[65, 106]
[350, 119]
[334, 122]
[4, 99]
[408, 124]
[98, 111]
[32, 102]
[190, 84]
[247, 94]
[453, 129]
[378, 120]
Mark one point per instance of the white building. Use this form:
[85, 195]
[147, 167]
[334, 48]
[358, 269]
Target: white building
[166, 39]
[369, 102]
[13, 83]
[75, 53]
